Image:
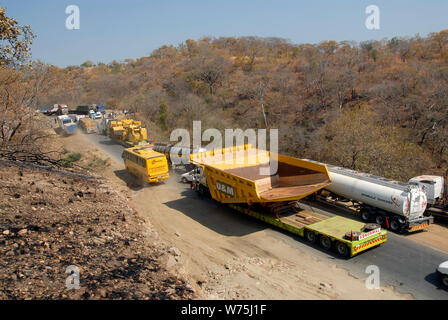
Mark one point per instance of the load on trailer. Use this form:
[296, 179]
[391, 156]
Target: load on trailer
[128, 132]
[88, 125]
[392, 204]
[232, 176]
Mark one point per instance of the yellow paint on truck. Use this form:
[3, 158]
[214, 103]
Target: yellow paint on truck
[146, 164]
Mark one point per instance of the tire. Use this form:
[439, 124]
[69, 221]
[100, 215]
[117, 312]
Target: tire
[365, 216]
[379, 219]
[395, 225]
[184, 180]
[342, 249]
[325, 242]
[445, 280]
[310, 236]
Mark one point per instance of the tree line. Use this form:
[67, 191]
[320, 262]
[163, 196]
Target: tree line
[375, 106]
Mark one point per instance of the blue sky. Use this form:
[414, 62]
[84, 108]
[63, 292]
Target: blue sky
[115, 30]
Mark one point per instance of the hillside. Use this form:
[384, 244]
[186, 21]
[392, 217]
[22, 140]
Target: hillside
[51, 220]
[377, 106]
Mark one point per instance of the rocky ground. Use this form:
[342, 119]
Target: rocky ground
[51, 222]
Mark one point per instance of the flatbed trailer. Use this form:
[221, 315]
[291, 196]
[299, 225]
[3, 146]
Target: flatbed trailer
[274, 198]
[330, 232]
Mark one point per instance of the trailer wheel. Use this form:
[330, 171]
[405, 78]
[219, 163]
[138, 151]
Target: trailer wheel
[365, 216]
[325, 242]
[395, 225]
[379, 219]
[342, 248]
[310, 236]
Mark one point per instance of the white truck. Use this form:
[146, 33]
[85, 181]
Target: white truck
[436, 189]
[66, 125]
[442, 271]
[392, 204]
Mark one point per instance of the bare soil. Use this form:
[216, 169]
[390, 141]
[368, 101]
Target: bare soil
[50, 221]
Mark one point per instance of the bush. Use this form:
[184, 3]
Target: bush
[71, 158]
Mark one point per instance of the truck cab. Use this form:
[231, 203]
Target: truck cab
[442, 271]
[433, 186]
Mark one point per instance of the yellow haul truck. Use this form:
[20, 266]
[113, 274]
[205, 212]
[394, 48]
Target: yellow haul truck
[146, 164]
[128, 132]
[232, 176]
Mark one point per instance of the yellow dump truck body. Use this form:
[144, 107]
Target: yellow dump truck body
[241, 175]
[146, 164]
[128, 130]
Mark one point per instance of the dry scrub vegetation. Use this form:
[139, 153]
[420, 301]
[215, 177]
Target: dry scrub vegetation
[377, 106]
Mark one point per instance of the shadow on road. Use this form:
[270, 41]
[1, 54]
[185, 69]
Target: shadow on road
[434, 279]
[228, 222]
[132, 182]
[108, 142]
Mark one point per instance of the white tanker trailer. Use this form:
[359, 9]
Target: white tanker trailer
[178, 152]
[392, 204]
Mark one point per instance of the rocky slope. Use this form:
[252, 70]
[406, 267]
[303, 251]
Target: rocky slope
[50, 221]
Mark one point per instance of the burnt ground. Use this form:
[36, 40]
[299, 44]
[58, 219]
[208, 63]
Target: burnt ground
[50, 221]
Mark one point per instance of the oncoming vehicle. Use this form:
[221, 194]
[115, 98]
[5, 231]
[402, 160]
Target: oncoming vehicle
[188, 176]
[95, 115]
[442, 271]
[146, 164]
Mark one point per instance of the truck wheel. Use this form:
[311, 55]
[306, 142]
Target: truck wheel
[342, 248]
[365, 216]
[310, 236]
[325, 242]
[445, 280]
[379, 219]
[395, 225]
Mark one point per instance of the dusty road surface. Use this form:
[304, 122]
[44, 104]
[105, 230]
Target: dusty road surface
[229, 255]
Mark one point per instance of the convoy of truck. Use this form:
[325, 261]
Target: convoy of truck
[275, 198]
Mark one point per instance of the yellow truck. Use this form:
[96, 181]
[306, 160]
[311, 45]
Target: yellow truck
[128, 132]
[146, 164]
[88, 125]
[240, 177]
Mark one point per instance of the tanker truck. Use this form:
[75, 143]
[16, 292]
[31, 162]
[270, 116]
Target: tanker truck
[436, 190]
[170, 150]
[234, 176]
[395, 205]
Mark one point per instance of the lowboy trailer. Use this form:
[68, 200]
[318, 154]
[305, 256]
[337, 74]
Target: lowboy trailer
[232, 176]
